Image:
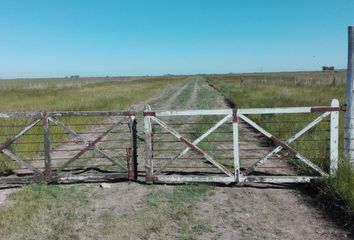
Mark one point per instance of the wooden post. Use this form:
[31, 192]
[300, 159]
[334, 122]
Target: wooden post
[349, 115]
[148, 143]
[47, 163]
[134, 154]
[334, 138]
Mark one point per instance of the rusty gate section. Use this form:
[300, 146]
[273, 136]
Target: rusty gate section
[64, 147]
[275, 145]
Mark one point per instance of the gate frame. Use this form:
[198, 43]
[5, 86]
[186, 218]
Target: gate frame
[47, 174]
[235, 114]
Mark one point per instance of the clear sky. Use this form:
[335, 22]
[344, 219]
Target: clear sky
[40, 38]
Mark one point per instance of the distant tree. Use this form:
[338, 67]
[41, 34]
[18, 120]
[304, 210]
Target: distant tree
[328, 69]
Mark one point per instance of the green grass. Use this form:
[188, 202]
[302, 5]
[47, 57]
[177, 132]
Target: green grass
[39, 212]
[339, 190]
[294, 78]
[107, 95]
[183, 97]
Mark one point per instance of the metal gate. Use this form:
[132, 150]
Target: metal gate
[236, 145]
[277, 145]
[197, 149]
[65, 147]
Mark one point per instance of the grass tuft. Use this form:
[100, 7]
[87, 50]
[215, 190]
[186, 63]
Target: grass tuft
[41, 212]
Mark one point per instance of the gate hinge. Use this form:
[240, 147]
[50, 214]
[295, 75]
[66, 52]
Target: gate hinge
[343, 108]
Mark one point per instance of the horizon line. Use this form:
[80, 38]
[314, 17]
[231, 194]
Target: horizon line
[77, 76]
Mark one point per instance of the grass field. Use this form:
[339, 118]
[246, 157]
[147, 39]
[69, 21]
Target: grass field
[67, 95]
[293, 78]
[77, 95]
[281, 90]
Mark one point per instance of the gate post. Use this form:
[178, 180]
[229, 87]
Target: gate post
[334, 127]
[148, 143]
[133, 166]
[235, 145]
[47, 159]
[349, 114]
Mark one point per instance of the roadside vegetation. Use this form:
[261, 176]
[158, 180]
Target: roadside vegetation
[289, 90]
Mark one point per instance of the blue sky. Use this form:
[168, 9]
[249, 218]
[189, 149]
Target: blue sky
[41, 38]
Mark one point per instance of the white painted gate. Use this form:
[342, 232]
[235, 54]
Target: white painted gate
[215, 139]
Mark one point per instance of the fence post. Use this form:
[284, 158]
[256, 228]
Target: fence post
[334, 128]
[47, 159]
[235, 145]
[148, 143]
[349, 115]
[133, 154]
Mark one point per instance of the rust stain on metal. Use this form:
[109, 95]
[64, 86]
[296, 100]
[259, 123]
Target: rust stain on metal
[283, 144]
[190, 145]
[151, 178]
[234, 115]
[128, 114]
[325, 109]
[150, 114]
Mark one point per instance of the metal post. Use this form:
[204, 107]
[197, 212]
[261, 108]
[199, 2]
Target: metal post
[349, 115]
[47, 163]
[334, 138]
[133, 155]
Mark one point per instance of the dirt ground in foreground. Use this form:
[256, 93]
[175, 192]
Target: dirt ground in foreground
[236, 212]
[266, 212]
